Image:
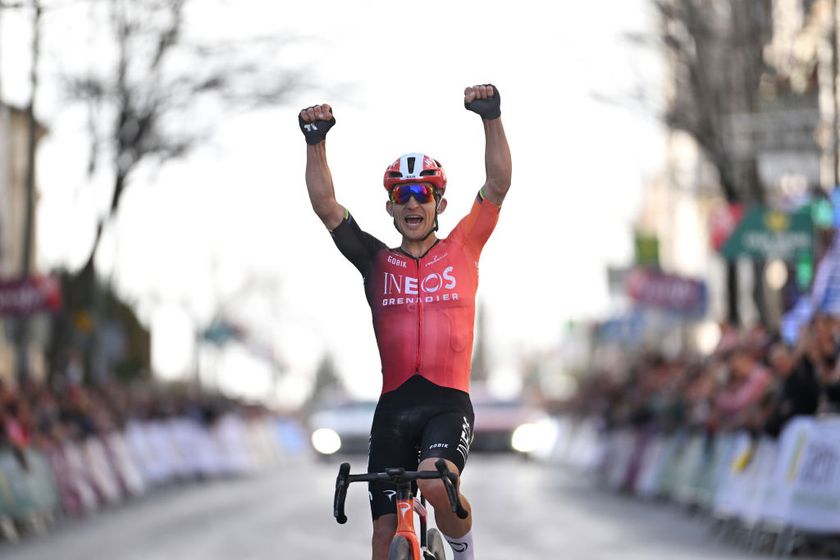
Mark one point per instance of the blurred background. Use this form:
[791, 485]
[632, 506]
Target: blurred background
[659, 310]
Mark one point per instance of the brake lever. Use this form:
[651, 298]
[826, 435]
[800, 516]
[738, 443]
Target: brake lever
[342, 481]
[449, 478]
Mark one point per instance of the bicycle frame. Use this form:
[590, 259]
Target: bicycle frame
[407, 505]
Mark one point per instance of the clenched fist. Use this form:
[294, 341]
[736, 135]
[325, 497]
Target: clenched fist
[484, 100]
[315, 122]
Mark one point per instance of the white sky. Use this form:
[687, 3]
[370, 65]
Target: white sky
[189, 236]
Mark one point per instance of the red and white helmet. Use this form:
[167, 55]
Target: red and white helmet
[415, 167]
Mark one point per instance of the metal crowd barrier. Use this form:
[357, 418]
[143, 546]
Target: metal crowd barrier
[75, 478]
[774, 494]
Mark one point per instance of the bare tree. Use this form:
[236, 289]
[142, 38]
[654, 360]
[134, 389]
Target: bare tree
[155, 83]
[714, 51]
[145, 107]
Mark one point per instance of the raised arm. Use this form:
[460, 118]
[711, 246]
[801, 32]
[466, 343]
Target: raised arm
[315, 122]
[486, 102]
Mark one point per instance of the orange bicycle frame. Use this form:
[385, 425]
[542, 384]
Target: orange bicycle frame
[406, 506]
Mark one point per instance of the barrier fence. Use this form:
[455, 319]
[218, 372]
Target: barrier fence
[75, 478]
[778, 493]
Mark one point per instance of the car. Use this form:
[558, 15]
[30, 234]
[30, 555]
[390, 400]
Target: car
[342, 428]
[507, 425]
[501, 425]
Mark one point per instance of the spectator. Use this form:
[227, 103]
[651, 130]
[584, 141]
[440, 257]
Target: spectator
[748, 380]
[830, 380]
[797, 390]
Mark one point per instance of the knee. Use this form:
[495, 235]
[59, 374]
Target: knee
[435, 492]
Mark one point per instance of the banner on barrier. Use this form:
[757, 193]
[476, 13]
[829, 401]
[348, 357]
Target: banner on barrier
[815, 498]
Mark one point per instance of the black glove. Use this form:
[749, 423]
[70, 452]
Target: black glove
[487, 108]
[316, 131]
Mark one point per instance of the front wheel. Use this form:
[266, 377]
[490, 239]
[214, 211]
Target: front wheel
[400, 549]
[435, 547]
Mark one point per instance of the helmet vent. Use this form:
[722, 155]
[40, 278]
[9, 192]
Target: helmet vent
[427, 172]
[410, 161]
[394, 174]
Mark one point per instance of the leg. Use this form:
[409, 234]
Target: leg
[435, 492]
[390, 446]
[384, 528]
[448, 436]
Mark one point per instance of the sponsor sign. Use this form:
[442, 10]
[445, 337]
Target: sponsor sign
[815, 468]
[666, 291]
[30, 295]
[768, 234]
[647, 249]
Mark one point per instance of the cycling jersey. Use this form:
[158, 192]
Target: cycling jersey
[423, 308]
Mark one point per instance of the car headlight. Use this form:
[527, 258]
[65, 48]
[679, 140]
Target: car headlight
[326, 441]
[525, 438]
[534, 436]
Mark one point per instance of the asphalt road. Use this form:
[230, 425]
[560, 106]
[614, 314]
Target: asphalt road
[523, 511]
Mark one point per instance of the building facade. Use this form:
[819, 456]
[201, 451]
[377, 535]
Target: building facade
[14, 140]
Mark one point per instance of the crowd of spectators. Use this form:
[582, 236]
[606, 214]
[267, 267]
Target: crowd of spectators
[44, 415]
[67, 449]
[752, 381]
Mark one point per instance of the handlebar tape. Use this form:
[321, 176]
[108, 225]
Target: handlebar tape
[341, 484]
[447, 477]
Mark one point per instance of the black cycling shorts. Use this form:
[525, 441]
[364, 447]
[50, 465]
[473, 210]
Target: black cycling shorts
[416, 421]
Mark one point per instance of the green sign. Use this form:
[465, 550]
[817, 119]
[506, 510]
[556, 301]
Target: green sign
[647, 249]
[823, 213]
[771, 234]
[804, 270]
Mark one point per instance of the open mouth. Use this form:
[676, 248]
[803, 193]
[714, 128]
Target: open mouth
[413, 220]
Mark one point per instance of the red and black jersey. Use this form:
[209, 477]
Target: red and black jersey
[423, 308]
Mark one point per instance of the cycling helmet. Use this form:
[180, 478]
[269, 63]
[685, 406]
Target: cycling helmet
[417, 167]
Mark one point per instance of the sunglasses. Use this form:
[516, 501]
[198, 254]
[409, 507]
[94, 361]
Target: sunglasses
[422, 193]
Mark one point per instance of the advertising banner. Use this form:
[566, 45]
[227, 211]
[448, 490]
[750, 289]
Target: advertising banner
[665, 291]
[30, 295]
[771, 234]
[815, 497]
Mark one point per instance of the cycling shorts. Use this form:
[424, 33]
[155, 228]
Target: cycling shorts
[416, 421]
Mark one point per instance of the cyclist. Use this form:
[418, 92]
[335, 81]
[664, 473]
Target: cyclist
[422, 298]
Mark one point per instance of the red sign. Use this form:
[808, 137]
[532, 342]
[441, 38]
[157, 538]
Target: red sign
[28, 296]
[655, 289]
[722, 222]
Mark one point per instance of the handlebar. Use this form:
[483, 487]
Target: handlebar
[397, 476]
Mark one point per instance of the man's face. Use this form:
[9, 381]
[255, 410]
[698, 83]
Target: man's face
[413, 219]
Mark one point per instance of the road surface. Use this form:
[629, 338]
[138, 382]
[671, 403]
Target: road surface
[523, 511]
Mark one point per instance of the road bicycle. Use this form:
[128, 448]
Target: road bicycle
[405, 544]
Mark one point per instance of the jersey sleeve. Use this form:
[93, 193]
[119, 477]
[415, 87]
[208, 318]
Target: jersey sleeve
[475, 228]
[359, 247]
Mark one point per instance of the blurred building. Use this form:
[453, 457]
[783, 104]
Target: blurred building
[14, 139]
[753, 123]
